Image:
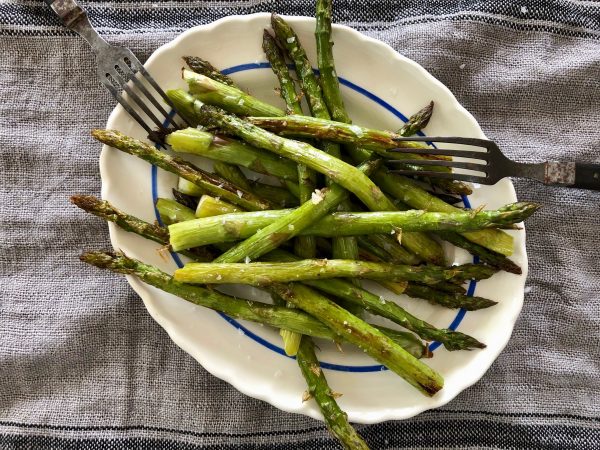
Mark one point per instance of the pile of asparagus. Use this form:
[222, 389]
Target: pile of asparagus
[336, 217]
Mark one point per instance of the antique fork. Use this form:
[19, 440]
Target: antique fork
[491, 165]
[120, 71]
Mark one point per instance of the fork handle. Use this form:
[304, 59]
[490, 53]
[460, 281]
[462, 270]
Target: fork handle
[570, 174]
[587, 176]
[75, 18]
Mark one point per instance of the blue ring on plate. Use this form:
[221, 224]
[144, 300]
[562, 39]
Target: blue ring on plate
[339, 367]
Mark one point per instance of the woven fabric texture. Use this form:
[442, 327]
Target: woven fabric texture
[82, 364]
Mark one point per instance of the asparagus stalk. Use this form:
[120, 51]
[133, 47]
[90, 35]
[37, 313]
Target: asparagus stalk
[343, 133]
[343, 289]
[203, 67]
[335, 418]
[373, 342]
[287, 88]
[211, 183]
[227, 150]
[275, 316]
[132, 224]
[487, 256]
[310, 86]
[209, 206]
[233, 174]
[292, 223]
[325, 61]
[235, 100]
[305, 245]
[279, 196]
[129, 223]
[188, 188]
[266, 273]
[174, 212]
[410, 193]
[307, 178]
[397, 254]
[232, 227]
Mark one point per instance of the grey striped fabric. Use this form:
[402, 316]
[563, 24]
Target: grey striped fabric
[83, 366]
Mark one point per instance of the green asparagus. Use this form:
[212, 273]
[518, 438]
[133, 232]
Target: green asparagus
[266, 273]
[203, 67]
[409, 192]
[287, 88]
[173, 211]
[417, 121]
[232, 173]
[225, 149]
[307, 178]
[209, 206]
[343, 133]
[232, 227]
[335, 418]
[211, 183]
[210, 91]
[452, 340]
[134, 225]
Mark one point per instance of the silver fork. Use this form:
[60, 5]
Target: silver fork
[120, 71]
[492, 165]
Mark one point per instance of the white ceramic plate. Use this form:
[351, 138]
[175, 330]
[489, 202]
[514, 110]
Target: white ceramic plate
[380, 88]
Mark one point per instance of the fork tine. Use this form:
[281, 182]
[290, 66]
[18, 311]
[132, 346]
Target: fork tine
[440, 163]
[140, 85]
[142, 70]
[444, 152]
[449, 175]
[449, 140]
[116, 93]
[123, 83]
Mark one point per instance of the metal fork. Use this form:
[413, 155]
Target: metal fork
[492, 165]
[120, 71]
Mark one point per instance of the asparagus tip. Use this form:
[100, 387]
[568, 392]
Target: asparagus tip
[98, 259]
[85, 202]
[479, 303]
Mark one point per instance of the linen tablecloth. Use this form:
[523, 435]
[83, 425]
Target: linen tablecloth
[82, 364]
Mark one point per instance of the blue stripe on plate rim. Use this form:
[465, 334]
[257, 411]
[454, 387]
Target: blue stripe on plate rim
[260, 340]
